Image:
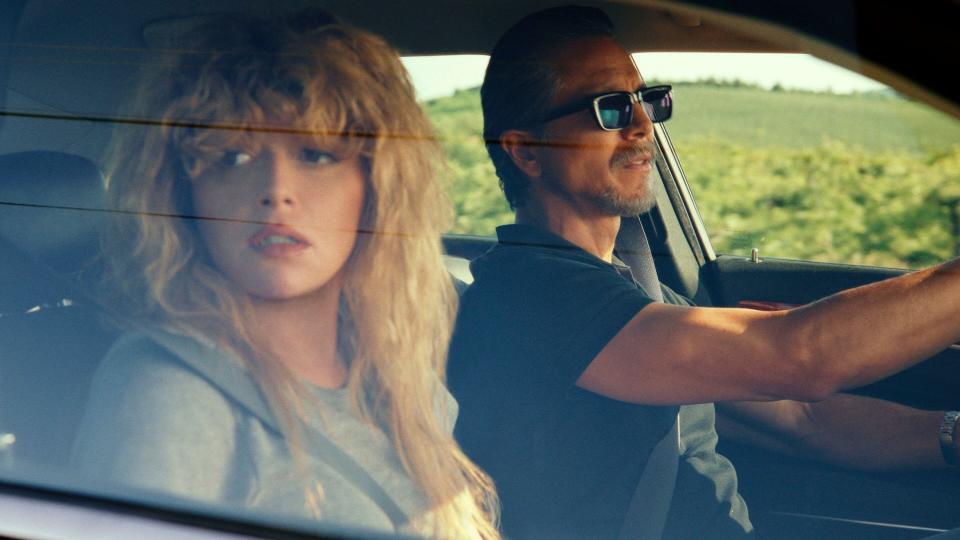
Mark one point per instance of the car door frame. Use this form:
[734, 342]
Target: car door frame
[902, 505]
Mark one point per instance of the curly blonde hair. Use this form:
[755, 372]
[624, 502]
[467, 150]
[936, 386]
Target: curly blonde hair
[316, 76]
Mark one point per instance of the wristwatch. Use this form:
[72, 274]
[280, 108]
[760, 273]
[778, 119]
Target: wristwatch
[948, 437]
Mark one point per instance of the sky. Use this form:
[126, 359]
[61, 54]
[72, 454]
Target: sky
[437, 76]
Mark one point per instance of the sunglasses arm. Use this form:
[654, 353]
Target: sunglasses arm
[567, 110]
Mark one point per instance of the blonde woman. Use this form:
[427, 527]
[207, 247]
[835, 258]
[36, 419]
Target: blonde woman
[280, 268]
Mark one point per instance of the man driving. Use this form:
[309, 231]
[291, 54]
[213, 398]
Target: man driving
[585, 390]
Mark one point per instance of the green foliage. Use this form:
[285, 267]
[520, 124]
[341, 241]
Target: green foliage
[474, 189]
[760, 118]
[860, 179]
[829, 202]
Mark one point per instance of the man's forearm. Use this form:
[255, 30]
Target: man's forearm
[865, 334]
[847, 430]
[668, 355]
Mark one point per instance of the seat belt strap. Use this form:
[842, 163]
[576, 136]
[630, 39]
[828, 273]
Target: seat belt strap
[647, 513]
[358, 476]
[633, 248]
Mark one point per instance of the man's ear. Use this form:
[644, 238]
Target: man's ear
[517, 144]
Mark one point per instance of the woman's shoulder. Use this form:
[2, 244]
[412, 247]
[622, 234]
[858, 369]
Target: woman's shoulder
[153, 422]
[156, 367]
[163, 347]
[141, 377]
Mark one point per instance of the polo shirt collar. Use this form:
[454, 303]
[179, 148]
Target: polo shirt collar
[528, 235]
[531, 236]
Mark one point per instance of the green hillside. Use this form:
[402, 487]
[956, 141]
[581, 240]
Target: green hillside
[759, 117]
[863, 179]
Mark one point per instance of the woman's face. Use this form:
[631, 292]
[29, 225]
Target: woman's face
[280, 221]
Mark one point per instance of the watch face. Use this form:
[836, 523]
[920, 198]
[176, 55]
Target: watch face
[949, 424]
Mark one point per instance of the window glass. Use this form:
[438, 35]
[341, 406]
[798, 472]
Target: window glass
[802, 159]
[449, 89]
[172, 207]
[142, 357]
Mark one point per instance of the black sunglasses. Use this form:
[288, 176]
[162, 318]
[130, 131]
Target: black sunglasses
[614, 111]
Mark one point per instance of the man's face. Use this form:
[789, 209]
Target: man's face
[597, 171]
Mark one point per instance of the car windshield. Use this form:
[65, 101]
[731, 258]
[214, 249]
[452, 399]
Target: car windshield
[235, 239]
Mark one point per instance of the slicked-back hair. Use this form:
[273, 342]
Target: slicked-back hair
[520, 81]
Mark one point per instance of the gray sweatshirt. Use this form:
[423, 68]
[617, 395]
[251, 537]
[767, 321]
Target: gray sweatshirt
[170, 414]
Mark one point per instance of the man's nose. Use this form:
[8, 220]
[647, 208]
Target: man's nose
[640, 127]
[276, 182]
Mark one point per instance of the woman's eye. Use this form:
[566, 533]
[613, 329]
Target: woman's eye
[317, 157]
[235, 158]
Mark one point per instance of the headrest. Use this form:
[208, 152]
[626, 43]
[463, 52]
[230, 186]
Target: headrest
[52, 207]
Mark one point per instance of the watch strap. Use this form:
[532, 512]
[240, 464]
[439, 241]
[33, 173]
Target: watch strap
[948, 431]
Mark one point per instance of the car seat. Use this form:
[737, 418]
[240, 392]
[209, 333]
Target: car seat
[51, 338]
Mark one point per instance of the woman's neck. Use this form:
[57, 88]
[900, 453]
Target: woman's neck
[301, 333]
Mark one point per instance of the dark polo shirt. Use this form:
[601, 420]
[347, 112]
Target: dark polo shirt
[566, 461]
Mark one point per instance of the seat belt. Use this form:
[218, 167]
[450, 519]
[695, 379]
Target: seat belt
[633, 248]
[358, 476]
[646, 515]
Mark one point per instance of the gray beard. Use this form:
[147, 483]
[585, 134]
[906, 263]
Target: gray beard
[613, 203]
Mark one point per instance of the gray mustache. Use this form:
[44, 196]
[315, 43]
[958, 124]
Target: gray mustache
[631, 153]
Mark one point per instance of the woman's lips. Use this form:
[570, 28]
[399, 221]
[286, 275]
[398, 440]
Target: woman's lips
[274, 241]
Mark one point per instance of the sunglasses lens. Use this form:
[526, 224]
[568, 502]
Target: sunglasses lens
[614, 111]
[658, 103]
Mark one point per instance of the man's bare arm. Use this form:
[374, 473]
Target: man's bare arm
[672, 355]
[846, 430]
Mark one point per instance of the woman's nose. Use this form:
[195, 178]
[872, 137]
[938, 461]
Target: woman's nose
[275, 199]
[277, 178]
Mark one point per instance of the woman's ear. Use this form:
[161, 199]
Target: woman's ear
[517, 144]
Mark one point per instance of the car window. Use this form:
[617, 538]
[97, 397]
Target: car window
[222, 170]
[118, 282]
[449, 88]
[801, 159]
[784, 153]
